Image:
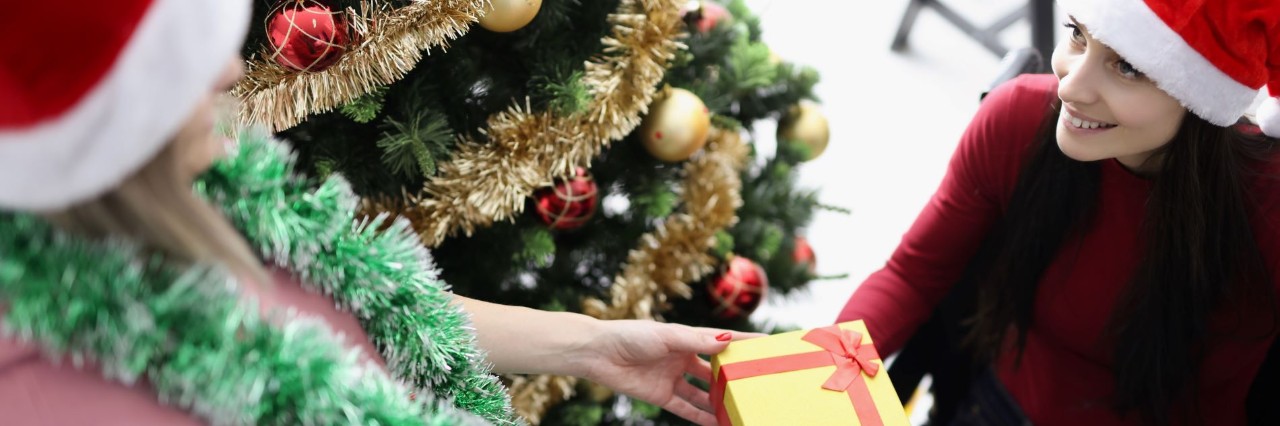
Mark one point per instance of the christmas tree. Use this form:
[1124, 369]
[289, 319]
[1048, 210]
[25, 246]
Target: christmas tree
[592, 156]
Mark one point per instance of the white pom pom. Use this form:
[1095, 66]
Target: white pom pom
[1269, 117]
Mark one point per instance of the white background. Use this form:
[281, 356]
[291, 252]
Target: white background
[895, 119]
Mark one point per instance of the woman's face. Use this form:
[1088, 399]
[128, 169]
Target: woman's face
[1109, 109]
[200, 145]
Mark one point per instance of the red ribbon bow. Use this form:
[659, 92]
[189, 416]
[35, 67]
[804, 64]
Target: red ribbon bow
[847, 353]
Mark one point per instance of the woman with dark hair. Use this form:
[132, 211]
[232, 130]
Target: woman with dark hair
[1119, 221]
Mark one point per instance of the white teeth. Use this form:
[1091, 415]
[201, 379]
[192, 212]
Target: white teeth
[1088, 124]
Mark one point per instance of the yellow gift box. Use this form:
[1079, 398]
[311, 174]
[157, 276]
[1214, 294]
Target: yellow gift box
[825, 376]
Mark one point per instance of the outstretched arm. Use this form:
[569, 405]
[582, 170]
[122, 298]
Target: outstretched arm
[933, 255]
[646, 360]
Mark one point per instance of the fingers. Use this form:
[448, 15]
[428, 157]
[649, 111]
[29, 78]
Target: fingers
[700, 369]
[707, 331]
[688, 339]
[698, 397]
[686, 410]
[734, 334]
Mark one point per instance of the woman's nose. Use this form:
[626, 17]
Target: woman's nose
[1079, 77]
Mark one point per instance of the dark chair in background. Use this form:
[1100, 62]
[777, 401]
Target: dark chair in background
[1020, 61]
[934, 349]
[1039, 12]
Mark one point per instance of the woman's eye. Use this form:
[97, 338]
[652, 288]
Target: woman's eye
[1127, 70]
[1077, 36]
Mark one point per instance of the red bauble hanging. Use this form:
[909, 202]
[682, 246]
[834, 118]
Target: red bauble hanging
[712, 14]
[803, 255]
[569, 203]
[705, 14]
[737, 291]
[307, 35]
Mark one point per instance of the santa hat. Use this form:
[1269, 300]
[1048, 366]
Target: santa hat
[90, 90]
[1212, 55]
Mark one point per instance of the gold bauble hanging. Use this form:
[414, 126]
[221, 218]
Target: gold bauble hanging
[805, 124]
[509, 15]
[676, 126]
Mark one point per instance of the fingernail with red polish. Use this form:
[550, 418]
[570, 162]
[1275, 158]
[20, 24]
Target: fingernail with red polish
[724, 337]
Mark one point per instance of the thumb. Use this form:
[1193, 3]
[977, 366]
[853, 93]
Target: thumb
[734, 335]
[687, 339]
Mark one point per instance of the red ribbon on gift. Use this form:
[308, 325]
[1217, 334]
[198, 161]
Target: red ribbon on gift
[841, 348]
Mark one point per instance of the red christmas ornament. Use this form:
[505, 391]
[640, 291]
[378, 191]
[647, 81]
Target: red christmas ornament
[738, 291]
[569, 203]
[307, 35]
[705, 15]
[804, 255]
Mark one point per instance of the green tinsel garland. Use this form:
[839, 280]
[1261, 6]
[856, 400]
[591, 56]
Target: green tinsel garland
[201, 350]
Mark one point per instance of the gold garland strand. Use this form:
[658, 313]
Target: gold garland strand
[489, 181]
[666, 260]
[677, 252]
[532, 396]
[391, 44]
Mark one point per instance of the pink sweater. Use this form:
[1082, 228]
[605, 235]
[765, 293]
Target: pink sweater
[36, 390]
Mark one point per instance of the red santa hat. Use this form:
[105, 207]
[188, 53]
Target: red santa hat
[1212, 55]
[90, 91]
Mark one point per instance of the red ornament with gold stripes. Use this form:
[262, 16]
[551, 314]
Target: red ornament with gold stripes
[307, 35]
[737, 291]
[569, 203]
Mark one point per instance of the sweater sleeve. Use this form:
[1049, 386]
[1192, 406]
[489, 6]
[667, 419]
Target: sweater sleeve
[35, 390]
[933, 254]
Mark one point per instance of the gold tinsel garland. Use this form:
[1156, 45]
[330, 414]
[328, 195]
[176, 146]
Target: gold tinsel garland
[488, 181]
[666, 260]
[678, 251]
[390, 44]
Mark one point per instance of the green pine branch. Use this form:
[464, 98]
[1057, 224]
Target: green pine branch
[539, 247]
[413, 147]
[567, 94]
[745, 17]
[658, 201]
[365, 108]
[749, 67]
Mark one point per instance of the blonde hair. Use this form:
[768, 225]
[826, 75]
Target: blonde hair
[157, 208]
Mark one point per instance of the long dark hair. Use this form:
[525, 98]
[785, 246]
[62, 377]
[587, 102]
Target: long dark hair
[1200, 255]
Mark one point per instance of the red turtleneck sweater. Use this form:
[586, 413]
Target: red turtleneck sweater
[1066, 374]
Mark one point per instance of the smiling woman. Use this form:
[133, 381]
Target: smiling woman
[1109, 108]
[1118, 220]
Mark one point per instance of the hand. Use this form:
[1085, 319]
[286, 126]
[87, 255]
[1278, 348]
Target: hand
[647, 360]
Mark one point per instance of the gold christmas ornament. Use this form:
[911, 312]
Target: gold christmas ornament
[676, 126]
[509, 15]
[805, 124]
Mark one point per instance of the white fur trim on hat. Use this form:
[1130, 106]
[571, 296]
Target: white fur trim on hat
[166, 68]
[1269, 117]
[1144, 40]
